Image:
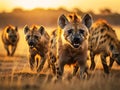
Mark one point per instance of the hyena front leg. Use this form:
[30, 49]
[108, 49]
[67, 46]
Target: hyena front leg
[59, 70]
[92, 56]
[32, 61]
[104, 63]
[42, 62]
[52, 66]
[52, 61]
[83, 71]
[7, 49]
[111, 62]
[13, 50]
[75, 69]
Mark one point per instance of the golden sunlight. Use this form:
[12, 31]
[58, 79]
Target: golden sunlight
[30, 4]
[85, 5]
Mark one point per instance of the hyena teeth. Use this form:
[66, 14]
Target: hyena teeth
[31, 46]
[76, 44]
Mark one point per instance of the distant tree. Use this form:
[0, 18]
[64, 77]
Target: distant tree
[62, 9]
[105, 11]
[18, 10]
[91, 12]
[77, 11]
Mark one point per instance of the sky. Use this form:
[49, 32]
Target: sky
[84, 5]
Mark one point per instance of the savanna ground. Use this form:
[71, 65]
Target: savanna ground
[16, 74]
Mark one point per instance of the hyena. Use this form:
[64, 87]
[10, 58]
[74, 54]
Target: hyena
[72, 42]
[38, 41]
[103, 40]
[10, 37]
[53, 51]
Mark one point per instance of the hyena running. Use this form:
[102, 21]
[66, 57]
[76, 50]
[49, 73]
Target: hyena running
[38, 41]
[10, 37]
[71, 43]
[103, 40]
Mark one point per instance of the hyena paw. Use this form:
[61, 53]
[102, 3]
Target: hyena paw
[83, 76]
[32, 67]
[40, 68]
[92, 67]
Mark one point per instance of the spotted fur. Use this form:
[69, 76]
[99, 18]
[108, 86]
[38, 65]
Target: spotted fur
[71, 42]
[38, 41]
[103, 40]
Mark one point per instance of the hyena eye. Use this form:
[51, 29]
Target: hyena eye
[81, 31]
[70, 31]
[36, 37]
[28, 36]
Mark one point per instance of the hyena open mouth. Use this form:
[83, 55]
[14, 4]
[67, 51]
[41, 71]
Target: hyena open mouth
[76, 43]
[31, 44]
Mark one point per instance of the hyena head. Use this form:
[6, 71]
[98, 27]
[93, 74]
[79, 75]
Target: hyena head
[33, 35]
[75, 29]
[12, 33]
[115, 48]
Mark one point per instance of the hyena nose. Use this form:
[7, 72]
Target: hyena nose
[31, 43]
[13, 40]
[76, 40]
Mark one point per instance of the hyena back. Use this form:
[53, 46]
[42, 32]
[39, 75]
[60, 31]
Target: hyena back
[103, 40]
[10, 37]
[38, 41]
[72, 42]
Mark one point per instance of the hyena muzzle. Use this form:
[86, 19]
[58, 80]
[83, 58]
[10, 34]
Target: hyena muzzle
[72, 42]
[10, 37]
[103, 40]
[38, 41]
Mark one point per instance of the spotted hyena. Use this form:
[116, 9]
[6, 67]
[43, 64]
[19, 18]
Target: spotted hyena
[38, 41]
[10, 37]
[71, 42]
[53, 51]
[103, 40]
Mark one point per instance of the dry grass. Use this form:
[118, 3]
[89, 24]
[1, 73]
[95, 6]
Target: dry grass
[16, 74]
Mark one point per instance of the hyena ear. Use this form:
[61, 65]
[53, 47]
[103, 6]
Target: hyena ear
[42, 30]
[87, 20]
[8, 29]
[62, 21]
[16, 28]
[26, 29]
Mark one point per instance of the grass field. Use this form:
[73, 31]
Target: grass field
[16, 74]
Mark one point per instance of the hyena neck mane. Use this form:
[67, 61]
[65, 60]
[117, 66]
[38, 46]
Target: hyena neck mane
[74, 18]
